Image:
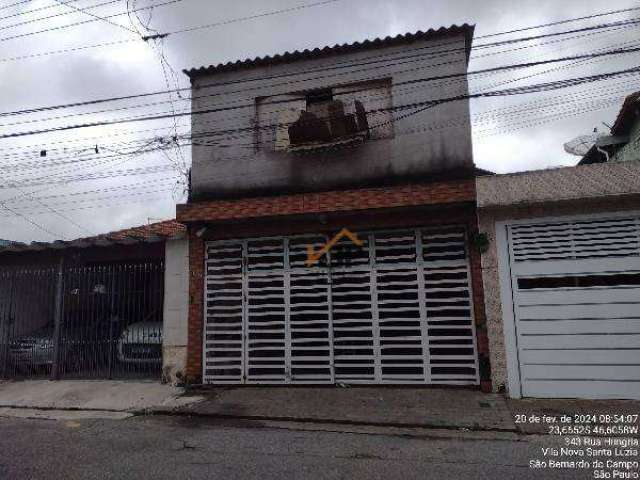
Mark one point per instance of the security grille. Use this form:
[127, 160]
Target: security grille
[395, 310]
[82, 322]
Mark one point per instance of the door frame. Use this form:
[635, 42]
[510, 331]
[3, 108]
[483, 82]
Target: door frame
[505, 279]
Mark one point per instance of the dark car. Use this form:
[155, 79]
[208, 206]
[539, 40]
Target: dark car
[81, 344]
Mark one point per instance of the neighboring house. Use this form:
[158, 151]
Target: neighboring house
[123, 304]
[289, 150]
[562, 280]
[623, 143]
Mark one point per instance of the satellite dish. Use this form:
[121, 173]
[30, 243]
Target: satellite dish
[581, 145]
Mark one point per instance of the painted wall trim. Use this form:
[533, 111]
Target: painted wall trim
[508, 316]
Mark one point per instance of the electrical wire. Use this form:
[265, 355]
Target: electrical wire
[225, 109]
[98, 17]
[82, 22]
[61, 14]
[337, 65]
[4, 7]
[28, 12]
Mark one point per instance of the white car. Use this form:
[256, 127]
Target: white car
[141, 342]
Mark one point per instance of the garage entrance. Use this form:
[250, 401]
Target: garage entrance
[396, 310]
[92, 321]
[572, 315]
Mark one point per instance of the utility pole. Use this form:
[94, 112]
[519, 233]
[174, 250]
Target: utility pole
[55, 367]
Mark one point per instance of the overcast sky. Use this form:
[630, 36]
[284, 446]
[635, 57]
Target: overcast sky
[59, 196]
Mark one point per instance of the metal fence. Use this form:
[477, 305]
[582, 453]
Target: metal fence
[101, 321]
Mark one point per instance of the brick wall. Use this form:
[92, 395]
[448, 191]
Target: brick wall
[326, 202]
[482, 340]
[196, 298]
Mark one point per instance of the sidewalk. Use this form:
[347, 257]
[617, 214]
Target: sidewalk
[452, 408]
[460, 409]
[92, 395]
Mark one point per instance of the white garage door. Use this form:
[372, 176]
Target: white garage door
[576, 306]
[396, 310]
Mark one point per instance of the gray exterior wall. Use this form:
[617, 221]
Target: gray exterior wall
[434, 141]
[176, 310]
[596, 188]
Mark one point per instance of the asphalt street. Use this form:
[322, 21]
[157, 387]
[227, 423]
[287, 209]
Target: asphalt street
[165, 447]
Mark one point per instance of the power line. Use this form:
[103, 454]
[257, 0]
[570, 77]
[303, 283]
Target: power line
[96, 45]
[61, 14]
[461, 77]
[83, 22]
[129, 156]
[108, 44]
[287, 74]
[27, 219]
[14, 4]
[121, 133]
[104, 19]
[250, 17]
[185, 30]
[224, 109]
[553, 85]
[101, 204]
[562, 22]
[414, 129]
[56, 212]
[28, 12]
[67, 50]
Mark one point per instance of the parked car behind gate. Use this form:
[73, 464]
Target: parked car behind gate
[141, 343]
[81, 345]
[33, 350]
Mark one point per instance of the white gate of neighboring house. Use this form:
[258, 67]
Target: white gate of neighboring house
[396, 310]
[570, 291]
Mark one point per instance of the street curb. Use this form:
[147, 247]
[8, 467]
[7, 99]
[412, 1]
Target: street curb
[268, 418]
[312, 420]
[65, 409]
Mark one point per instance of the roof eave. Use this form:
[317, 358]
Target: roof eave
[289, 57]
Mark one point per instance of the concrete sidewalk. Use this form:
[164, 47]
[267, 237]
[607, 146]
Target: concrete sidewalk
[90, 395]
[401, 407]
[454, 408]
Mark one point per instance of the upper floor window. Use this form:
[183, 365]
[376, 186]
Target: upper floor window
[325, 118]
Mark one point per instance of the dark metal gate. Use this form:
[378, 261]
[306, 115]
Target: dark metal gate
[99, 321]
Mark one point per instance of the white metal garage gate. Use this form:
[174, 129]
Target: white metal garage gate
[396, 310]
[576, 308]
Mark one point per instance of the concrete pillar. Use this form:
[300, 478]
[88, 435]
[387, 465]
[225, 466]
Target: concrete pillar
[176, 310]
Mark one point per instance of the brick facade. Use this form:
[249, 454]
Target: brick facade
[378, 208]
[327, 202]
[196, 306]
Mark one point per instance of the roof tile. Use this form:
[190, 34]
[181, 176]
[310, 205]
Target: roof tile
[332, 50]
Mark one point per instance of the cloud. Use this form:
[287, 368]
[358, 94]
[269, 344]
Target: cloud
[516, 142]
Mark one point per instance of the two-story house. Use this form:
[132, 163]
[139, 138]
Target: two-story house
[288, 152]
